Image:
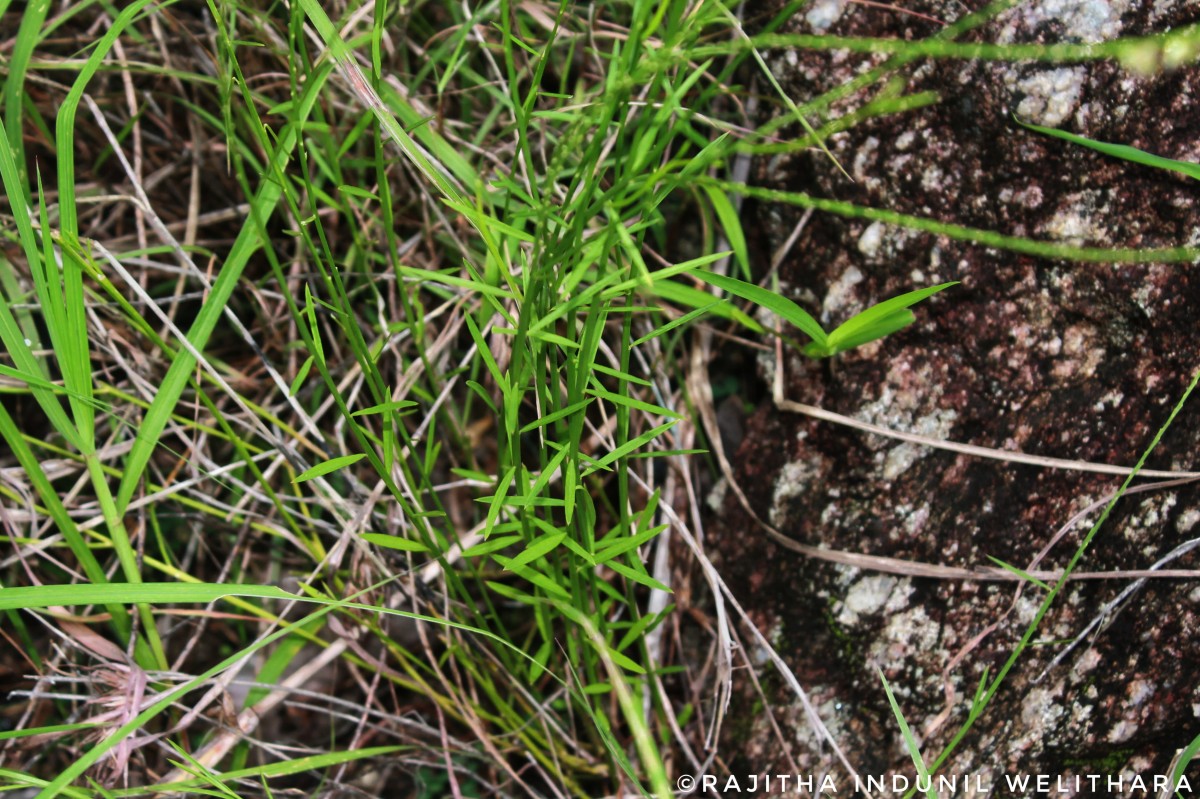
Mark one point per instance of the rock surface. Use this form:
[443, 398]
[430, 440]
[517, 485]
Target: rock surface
[1061, 359]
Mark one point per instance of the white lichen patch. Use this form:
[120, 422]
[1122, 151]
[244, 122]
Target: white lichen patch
[1090, 21]
[841, 293]
[936, 425]
[871, 240]
[906, 633]
[793, 479]
[833, 712]
[933, 179]
[1049, 96]
[904, 392]
[1088, 661]
[1139, 691]
[1144, 525]
[716, 497]
[866, 597]
[1123, 731]
[1040, 715]
[915, 521]
[1029, 197]
[1027, 609]
[823, 13]
[1077, 223]
[1111, 398]
[760, 653]
[1081, 354]
[1187, 520]
[899, 459]
[863, 157]
[1149, 295]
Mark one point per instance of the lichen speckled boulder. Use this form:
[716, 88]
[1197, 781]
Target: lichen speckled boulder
[1067, 360]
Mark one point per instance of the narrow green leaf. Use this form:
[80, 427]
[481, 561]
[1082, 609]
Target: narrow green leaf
[49, 595]
[777, 304]
[355, 191]
[884, 326]
[556, 415]
[1185, 759]
[731, 224]
[631, 445]
[44, 596]
[497, 500]
[491, 545]
[283, 768]
[631, 402]
[485, 352]
[301, 375]
[625, 543]
[540, 546]
[643, 626]
[1122, 151]
[658, 276]
[909, 740]
[625, 661]
[395, 542]
[692, 297]
[682, 320]
[331, 465]
[1024, 575]
[481, 392]
[617, 373]
[534, 576]
[883, 317]
[638, 576]
[578, 550]
[508, 592]
[244, 246]
[387, 407]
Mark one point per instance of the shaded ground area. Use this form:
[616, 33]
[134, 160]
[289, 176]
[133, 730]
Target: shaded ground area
[1068, 360]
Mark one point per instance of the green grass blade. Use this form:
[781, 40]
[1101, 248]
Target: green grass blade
[779, 305]
[885, 326]
[244, 246]
[331, 465]
[909, 740]
[731, 225]
[538, 548]
[1186, 756]
[11, 334]
[28, 35]
[284, 768]
[986, 238]
[394, 542]
[879, 320]
[1122, 151]
[629, 446]
[1024, 575]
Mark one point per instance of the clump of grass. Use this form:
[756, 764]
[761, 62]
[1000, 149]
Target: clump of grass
[429, 361]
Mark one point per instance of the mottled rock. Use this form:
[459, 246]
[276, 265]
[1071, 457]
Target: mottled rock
[1068, 360]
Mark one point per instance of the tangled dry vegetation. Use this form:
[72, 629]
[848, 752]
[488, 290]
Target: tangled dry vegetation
[352, 311]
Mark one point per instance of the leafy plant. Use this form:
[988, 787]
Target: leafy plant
[1122, 151]
[864, 327]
